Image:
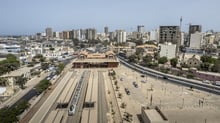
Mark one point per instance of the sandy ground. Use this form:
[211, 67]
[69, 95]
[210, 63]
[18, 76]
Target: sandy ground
[179, 103]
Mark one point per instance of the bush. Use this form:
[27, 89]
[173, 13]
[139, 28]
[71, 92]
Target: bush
[43, 85]
[162, 60]
[9, 115]
[190, 76]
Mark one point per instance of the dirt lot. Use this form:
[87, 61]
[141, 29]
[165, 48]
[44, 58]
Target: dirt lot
[179, 103]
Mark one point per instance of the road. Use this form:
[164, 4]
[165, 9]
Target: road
[171, 78]
[102, 104]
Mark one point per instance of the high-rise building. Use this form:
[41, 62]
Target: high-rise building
[196, 40]
[56, 34]
[140, 28]
[66, 35]
[61, 35]
[91, 34]
[169, 34]
[106, 30]
[49, 33]
[121, 36]
[112, 36]
[193, 29]
[154, 35]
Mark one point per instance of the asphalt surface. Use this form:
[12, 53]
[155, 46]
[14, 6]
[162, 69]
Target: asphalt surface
[102, 104]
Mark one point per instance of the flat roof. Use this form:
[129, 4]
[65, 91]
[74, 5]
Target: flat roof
[153, 115]
[2, 90]
[94, 60]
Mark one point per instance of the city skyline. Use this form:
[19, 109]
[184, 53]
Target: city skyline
[30, 17]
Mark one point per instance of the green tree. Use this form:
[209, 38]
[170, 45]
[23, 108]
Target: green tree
[205, 66]
[44, 65]
[139, 51]
[156, 55]
[51, 48]
[216, 66]
[208, 59]
[3, 81]
[150, 43]
[21, 81]
[75, 42]
[60, 68]
[147, 58]
[133, 58]
[163, 60]
[174, 62]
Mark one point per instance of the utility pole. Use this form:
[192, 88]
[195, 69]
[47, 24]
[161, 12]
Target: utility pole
[151, 99]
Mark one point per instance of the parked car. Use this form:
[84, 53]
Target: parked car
[206, 81]
[127, 91]
[135, 84]
[143, 81]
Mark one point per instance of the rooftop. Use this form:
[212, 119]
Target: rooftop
[153, 115]
[94, 60]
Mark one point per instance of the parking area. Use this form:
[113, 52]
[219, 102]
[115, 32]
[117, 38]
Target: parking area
[179, 103]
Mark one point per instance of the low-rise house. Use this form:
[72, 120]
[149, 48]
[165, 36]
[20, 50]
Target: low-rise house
[149, 49]
[193, 62]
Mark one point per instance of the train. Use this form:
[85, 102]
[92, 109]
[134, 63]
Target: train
[76, 97]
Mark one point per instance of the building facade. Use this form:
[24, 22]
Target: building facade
[167, 50]
[121, 36]
[96, 60]
[106, 31]
[193, 29]
[140, 28]
[91, 34]
[169, 34]
[196, 40]
[49, 33]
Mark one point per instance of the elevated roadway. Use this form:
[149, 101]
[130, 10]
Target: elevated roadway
[176, 79]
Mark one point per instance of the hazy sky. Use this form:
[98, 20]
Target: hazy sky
[31, 16]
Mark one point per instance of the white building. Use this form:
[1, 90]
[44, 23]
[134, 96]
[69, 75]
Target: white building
[154, 35]
[56, 35]
[121, 36]
[6, 49]
[182, 38]
[168, 50]
[196, 40]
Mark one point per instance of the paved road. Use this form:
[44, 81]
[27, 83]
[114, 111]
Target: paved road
[76, 118]
[102, 104]
[39, 116]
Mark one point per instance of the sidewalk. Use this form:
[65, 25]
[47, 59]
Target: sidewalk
[113, 99]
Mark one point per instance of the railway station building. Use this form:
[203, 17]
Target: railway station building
[96, 60]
